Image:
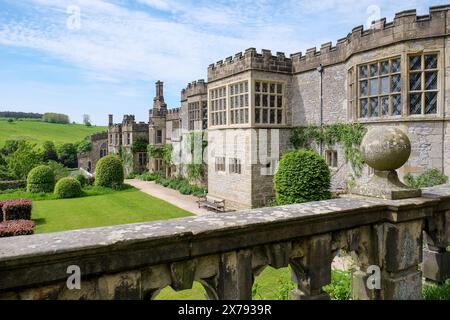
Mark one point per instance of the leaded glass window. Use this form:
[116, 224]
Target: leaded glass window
[379, 90]
[269, 104]
[423, 84]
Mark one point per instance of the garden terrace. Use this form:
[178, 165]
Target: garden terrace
[224, 252]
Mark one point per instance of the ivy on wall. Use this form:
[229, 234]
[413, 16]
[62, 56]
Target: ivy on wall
[139, 145]
[348, 135]
[127, 159]
[196, 169]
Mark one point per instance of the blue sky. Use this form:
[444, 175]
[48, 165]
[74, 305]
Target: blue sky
[111, 60]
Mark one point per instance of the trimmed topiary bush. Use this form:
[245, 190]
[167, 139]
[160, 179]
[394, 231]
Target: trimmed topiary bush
[68, 188]
[16, 228]
[109, 172]
[41, 179]
[81, 179]
[16, 209]
[302, 176]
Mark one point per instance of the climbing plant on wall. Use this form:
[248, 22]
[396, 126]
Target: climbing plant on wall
[127, 159]
[167, 154]
[348, 135]
[196, 168]
[139, 145]
[154, 152]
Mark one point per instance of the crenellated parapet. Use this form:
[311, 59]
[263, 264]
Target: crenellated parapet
[407, 25]
[173, 114]
[194, 88]
[99, 136]
[250, 60]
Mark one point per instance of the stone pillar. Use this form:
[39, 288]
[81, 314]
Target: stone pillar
[436, 264]
[436, 258]
[235, 279]
[313, 271]
[400, 253]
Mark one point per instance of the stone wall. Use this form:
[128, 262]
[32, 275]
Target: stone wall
[88, 160]
[226, 251]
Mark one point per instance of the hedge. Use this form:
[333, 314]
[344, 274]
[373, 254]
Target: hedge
[14, 184]
[41, 179]
[16, 228]
[109, 172]
[81, 179]
[68, 188]
[16, 209]
[302, 176]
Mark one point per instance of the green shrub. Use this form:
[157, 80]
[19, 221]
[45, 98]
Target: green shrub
[340, 286]
[147, 176]
[302, 175]
[81, 179]
[109, 172]
[429, 178]
[58, 169]
[185, 189]
[41, 179]
[68, 188]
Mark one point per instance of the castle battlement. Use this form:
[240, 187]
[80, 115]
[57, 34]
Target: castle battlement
[99, 136]
[250, 60]
[194, 88]
[173, 114]
[407, 25]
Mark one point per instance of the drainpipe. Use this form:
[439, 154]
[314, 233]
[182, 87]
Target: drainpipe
[320, 70]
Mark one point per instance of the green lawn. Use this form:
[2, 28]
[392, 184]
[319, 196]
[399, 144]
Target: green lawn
[121, 207]
[271, 284]
[39, 131]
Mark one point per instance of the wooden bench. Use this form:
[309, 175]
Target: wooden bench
[213, 203]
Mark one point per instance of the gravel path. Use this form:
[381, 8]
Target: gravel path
[186, 202]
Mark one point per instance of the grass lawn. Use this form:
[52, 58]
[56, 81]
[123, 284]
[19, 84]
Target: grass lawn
[39, 131]
[120, 207]
[271, 284]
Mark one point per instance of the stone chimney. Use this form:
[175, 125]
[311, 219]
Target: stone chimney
[158, 100]
[160, 90]
[110, 120]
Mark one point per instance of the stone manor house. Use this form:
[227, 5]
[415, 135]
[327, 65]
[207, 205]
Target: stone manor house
[395, 73]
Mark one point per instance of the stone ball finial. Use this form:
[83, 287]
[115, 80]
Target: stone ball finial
[385, 148]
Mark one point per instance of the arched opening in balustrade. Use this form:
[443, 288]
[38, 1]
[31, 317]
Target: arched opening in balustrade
[197, 292]
[341, 276]
[272, 284]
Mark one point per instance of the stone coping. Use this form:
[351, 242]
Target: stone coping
[27, 260]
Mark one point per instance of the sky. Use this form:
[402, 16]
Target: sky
[101, 57]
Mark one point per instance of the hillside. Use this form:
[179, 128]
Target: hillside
[38, 131]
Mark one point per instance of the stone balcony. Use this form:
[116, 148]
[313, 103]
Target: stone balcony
[224, 252]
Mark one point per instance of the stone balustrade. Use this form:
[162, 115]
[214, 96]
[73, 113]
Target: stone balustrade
[224, 252]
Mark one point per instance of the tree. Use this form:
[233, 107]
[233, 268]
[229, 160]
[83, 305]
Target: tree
[49, 151]
[67, 155]
[25, 158]
[56, 118]
[87, 120]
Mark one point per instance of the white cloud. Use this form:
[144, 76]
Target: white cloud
[116, 43]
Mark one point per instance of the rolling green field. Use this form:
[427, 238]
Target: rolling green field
[120, 207]
[39, 131]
